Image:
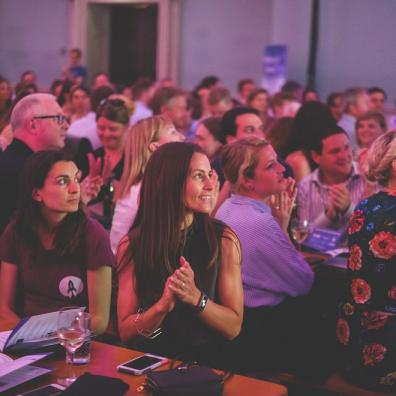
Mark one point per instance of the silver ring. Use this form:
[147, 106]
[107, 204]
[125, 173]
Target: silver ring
[277, 207]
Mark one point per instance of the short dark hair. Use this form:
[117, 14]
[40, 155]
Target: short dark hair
[291, 86]
[26, 72]
[163, 96]
[228, 122]
[208, 82]
[280, 97]
[99, 94]
[244, 82]
[256, 92]
[79, 88]
[377, 90]
[327, 131]
[140, 86]
[332, 97]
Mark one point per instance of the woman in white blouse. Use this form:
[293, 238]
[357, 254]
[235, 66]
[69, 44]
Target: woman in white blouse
[141, 141]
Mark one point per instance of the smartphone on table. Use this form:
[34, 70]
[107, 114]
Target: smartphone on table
[142, 364]
[47, 390]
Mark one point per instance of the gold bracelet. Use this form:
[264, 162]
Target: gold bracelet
[145, 333]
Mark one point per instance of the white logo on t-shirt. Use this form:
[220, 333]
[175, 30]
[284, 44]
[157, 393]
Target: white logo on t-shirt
[71, 286]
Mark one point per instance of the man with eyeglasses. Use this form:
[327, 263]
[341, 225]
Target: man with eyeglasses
[38, 124]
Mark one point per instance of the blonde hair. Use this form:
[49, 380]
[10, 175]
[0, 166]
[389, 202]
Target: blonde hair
[137, 151]
[239, 160]
[380, 157]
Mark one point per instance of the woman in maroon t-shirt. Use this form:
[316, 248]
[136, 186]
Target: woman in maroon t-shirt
[51, 254]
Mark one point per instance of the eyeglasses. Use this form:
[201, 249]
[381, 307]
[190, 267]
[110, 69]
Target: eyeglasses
[59, 118]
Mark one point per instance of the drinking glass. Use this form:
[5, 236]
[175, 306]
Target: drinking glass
[299, 229]
[72, 331]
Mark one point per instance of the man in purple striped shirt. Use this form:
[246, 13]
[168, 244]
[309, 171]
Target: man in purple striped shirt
[327, 197]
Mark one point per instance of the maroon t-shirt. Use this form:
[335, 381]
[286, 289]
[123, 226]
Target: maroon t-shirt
[47, 282]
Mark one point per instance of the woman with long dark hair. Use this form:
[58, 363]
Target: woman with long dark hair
[178, 269]
[51, 254]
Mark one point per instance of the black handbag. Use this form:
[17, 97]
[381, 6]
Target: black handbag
[185, 381]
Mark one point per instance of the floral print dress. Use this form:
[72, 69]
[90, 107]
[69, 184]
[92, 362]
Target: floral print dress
[366, 323]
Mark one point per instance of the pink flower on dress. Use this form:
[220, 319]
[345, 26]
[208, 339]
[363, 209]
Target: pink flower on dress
[356, 222]
[373, 354]
[342, 331]
[383, 245]
[355, 258]
[361, 291]
[392, 293]
[374, 320]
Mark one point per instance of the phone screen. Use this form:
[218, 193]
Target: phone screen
[142, 362]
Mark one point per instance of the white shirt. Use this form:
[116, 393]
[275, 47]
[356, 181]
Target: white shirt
[141, 112]
[86, 127]
[124, 215]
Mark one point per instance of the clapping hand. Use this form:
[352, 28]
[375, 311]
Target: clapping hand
[91, 185]
[183, 285]
[282, 204]
[95, 165]
[168, 299]
[90, 188]
[340, 197]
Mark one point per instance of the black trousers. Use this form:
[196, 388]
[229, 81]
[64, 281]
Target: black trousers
[291, 336]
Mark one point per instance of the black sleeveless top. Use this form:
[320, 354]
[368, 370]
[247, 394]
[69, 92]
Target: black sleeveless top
[182, 331]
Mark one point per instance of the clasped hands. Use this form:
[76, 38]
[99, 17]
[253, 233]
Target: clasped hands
[180, 286]
[282, 204]
[339, 201]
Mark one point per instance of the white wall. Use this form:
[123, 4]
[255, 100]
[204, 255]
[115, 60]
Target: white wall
[357, 45]
[223, 37]
[226, 38]
[291, 26]
[33, 35]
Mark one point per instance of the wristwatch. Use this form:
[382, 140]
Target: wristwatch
[203, 300]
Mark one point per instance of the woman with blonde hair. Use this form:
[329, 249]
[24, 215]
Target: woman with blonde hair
[140, 142]
[366, 325]
[273, 272]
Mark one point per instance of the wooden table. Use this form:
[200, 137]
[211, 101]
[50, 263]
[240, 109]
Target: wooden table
[105, 358]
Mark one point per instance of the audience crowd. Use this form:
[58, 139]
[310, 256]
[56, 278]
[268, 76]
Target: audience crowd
[168, 214]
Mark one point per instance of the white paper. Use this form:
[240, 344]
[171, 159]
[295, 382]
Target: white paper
[21, 362]
[4, 359]
[21, 375]
[38, 330]
[3, 338]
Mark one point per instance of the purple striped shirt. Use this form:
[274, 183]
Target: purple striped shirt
[272, 269]
[313, 195]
